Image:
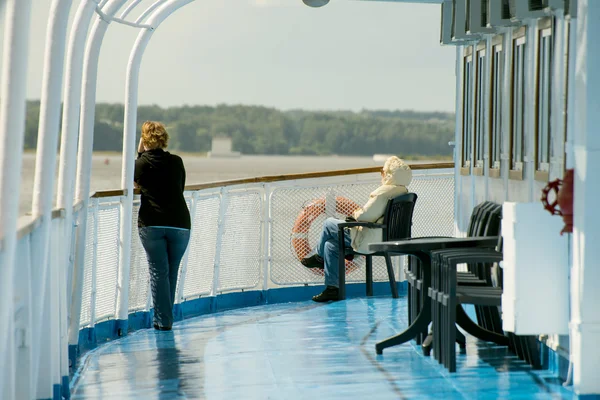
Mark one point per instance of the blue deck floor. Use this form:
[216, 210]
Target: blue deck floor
[300, 351]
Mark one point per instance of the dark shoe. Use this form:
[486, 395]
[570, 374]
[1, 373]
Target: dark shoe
[162, 328]
[329, 294]
[427, 345]
[314, 261]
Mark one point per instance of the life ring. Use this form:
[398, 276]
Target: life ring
[305, 219]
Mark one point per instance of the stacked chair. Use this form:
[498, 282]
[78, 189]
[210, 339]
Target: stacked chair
[450, 289]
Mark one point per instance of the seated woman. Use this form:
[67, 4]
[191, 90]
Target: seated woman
[395, 177]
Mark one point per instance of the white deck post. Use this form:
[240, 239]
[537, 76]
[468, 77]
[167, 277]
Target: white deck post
[67, 163]
[457, 151]
[13, 85]
[84, 152]
[43, 191]
[585, 274]
[129, 149]
[129, 153]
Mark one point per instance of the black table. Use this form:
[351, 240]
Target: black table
[421, 248]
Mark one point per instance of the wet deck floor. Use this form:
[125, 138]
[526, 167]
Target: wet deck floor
[300, 351]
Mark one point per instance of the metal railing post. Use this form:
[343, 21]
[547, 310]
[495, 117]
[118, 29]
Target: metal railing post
[12, 128]
[67, 163]
[45, 168]
[94, 266]
[220, 232]
[266, 241]
[24, 321]
[184, 263]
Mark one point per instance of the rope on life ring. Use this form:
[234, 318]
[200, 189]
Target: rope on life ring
[305, 219]
[553, 186]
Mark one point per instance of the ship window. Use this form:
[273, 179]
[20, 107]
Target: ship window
[543, 134]
[480, 103]
[517, 131]
[497, 68]
[467, 113]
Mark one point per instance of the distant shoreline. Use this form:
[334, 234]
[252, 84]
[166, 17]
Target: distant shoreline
[298, 156]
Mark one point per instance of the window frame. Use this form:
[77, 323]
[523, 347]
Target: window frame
[495, 98]
[467, 113]
[516, 156]
[479, 109]
[543, 100]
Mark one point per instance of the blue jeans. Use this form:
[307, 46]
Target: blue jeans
[164, 249]
[328, 249]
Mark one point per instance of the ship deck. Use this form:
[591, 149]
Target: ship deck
[300, 350]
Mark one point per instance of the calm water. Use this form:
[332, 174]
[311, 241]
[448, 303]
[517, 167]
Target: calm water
[106, 169]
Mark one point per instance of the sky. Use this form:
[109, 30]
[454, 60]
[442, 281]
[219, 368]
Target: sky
[348, 55]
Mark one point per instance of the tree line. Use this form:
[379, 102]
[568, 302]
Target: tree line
[262, 130]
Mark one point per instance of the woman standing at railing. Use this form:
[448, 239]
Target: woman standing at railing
[164, 219]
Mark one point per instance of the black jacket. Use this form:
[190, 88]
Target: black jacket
[161, 178]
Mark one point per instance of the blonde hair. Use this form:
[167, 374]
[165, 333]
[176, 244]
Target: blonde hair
[154, 135]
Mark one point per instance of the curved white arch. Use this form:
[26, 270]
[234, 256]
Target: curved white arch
[150, 9]
[86, 105]
[12, 128]
[67, 163]
[129, 8]
[48, 305]
[131, 103]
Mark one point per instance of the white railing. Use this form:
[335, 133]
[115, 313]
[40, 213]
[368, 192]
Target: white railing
[243, 238]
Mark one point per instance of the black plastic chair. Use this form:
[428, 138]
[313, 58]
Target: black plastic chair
[452, 293]
[397, 224]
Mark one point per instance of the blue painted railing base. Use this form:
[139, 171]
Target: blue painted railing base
[56, 392]
[65, 389]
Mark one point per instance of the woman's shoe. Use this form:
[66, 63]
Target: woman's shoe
[314, 261]
[162, 328]
[329, 294]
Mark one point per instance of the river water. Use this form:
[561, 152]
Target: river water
[106, 169]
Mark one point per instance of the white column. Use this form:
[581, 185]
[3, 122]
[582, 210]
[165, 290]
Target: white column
[457, 151]
[585, 274]
[43, 191]
[12, 127]
[129, 153]
[68, 152]
[84, 153]
[129, 148]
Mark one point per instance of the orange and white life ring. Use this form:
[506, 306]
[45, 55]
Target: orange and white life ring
[305, 219]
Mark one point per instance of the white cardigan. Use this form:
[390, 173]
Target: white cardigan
[393, 185]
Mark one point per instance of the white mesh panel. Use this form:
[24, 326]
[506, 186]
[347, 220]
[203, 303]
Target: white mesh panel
[297, 218]
[107, 261]
[240, 255]
[298, 214]
[139, 277]
[86, 298]
[202, 247]
[434, 210]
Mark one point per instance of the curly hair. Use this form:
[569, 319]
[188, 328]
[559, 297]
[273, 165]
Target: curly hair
[154, 135]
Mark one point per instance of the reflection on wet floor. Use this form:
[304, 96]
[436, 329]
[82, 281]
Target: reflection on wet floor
[300, 351]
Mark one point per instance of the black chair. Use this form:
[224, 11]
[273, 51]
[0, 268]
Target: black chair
[484, 222]
[449, 295]
[419, 273]
[396, 225]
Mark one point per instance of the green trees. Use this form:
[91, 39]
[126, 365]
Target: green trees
[262, 130]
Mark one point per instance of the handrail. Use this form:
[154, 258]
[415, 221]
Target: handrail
[277, 178]
[27, 223]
